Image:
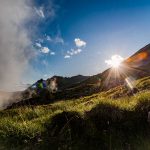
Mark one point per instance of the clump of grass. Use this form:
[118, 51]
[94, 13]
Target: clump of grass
[143, 84]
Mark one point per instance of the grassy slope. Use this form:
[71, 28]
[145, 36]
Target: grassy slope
[96, 121]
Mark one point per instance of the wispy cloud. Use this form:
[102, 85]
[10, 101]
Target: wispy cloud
[67, 56]
[79, 43]
[40, 40]
[38, 45]
[44, 62]
[49, 38]
[57, 39]
[40, 12]
[52, 53]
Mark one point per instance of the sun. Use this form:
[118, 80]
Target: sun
[115, 61]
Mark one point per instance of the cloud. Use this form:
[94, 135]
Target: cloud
[67, 56]
[74, 51]
[48, 38]
[57, 39]
[40, 12]
[79, 43]
[45, 50]
[38, 44]
[15, 44]
[47, 10]
[40, 40]
[52, 53]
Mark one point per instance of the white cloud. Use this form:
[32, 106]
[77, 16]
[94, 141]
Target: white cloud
[40, 12]
[79, 43]
[45, 50]
[74, 51]
[52, 53]
[78, 50]
[67, 56]
[38, 44]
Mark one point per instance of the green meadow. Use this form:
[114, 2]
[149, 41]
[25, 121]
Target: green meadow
[108, 120]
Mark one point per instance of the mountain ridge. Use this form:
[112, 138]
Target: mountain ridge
[78, 86]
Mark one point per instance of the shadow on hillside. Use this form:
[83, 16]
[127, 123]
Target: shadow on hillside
[105, 126]
[108, 115]
[70, 122]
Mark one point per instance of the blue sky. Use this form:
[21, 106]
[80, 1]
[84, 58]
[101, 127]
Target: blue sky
[77, 36]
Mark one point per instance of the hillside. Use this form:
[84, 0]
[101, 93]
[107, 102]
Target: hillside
[99, 121]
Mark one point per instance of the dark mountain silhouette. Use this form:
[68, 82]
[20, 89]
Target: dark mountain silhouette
[65, 82]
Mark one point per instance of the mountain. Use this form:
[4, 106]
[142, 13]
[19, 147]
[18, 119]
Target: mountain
[134, 67]
[65, 82]
[56, 89]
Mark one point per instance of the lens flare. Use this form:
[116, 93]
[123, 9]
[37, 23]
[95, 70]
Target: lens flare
[130, 82]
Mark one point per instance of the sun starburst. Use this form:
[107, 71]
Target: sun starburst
[115, 61]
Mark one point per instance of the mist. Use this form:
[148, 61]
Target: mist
[15, 43]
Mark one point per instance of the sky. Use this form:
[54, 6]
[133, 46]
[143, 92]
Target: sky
[71, 37]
